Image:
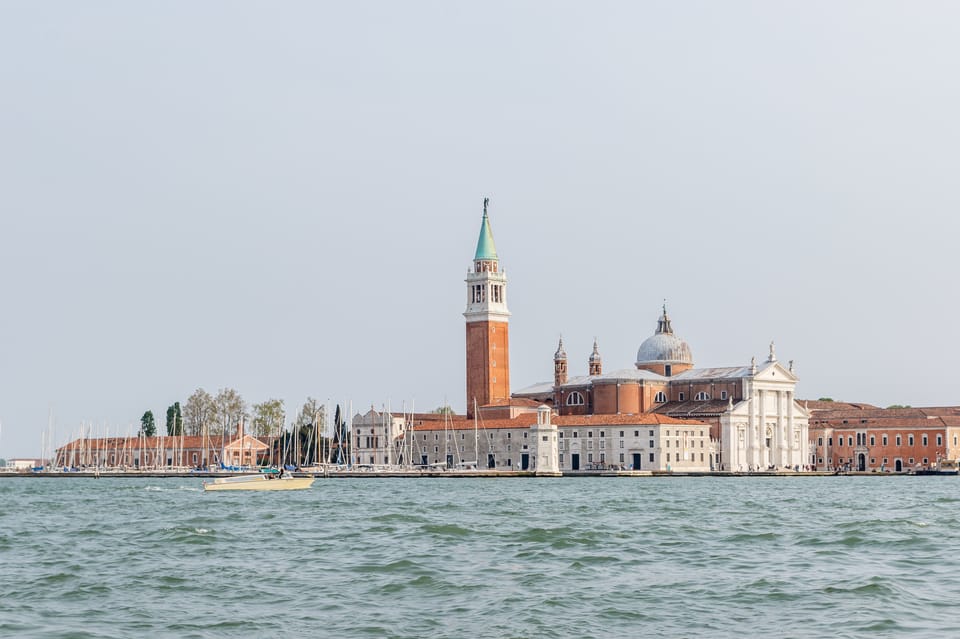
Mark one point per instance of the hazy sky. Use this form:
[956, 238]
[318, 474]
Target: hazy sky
[284, 197]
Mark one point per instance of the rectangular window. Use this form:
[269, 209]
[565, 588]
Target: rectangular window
[651, 444]
[651, 457]
[668, 443]
[590, 458]
[589, 433]
[884, 440]
[621, 443]
[849, 441]
[621, 458]
[561, 458]
[939, 440]
[668, 457]
[681, 397]
[668, 433]
[910, 440]
[544, 438]
[873, 440]
[576, 435]
[819, 441]
[898, 440]
[924, 440]
[829, 441]
[621, 433]
[723, 395]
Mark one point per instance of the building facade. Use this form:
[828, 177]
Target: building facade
[858, 437]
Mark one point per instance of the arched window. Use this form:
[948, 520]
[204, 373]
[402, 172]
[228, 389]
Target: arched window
[702, 397]
[661, 398]
[575, 399]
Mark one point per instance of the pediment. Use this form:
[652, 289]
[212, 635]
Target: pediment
[774, 372]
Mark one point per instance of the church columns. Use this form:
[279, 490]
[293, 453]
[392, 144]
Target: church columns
[794, 454]
[762, 432]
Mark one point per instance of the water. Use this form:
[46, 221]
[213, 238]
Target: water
[597, 557]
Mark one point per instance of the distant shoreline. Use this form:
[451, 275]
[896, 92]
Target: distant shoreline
[413, 474]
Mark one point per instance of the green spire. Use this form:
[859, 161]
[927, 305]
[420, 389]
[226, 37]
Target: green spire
[485, 248]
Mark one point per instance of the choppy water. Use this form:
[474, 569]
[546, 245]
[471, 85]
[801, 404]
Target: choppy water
[599, 557]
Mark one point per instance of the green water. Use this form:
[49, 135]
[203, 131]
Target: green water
[598, 557]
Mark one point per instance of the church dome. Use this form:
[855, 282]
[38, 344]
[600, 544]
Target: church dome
[663, 347]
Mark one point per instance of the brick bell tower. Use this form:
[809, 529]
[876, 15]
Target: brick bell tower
[488, 343]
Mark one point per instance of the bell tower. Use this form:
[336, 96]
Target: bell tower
[488, 344]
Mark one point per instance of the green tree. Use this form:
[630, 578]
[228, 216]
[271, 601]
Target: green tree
[199, 413]
[443, 410]
[898, 406]
[174, 419]
[825, 399]
[340, 446]
[267, 417]
[148, 425]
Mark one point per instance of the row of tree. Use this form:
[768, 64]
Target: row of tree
[219, 415]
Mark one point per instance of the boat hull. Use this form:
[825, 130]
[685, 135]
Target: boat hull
[257, 482]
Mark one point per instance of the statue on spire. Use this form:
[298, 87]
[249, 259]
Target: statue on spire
[486, 202]
[773, 353]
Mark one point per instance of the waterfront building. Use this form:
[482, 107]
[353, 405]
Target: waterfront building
[865, 438]
[754, 421]
[140, 453]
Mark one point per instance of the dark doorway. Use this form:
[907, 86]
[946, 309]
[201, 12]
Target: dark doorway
[575, 461]
[862, 463]
[525, 461]
[637, 457]
[898, 465]
[491, 461]
[449, 461]
[423, 460]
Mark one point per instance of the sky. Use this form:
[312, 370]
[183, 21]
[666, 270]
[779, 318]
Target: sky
[284, 197]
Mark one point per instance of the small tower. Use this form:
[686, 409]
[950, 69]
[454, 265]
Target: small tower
[596, 363]
[560, 365]
[547, 446]
[488, 345]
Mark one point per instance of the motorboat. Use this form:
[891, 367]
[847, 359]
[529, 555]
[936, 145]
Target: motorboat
[259, 482]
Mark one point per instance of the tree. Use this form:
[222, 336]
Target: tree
[229, 410]
[312, 424]
[174, 419]
[199, 413]
[148, 425]
[825, 399]
[312, 413]
[340, 447]
[898, 406]
[443, 410]
[267, 417]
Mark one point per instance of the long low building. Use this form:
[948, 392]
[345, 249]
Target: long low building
[584, 442]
